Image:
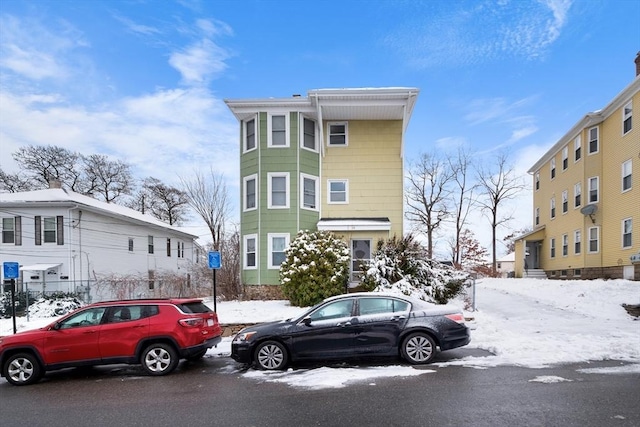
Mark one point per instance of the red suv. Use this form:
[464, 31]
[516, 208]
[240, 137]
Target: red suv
[156, 333]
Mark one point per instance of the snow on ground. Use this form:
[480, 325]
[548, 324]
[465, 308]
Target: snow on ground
[523, 322]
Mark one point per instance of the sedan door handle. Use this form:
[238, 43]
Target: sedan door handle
[343, 324]
[396, 318]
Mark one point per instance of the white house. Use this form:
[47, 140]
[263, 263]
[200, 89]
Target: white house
[506, 264]
[64, 241]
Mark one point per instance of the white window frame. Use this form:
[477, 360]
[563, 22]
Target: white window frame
[245, 134]
[270, 177]
[597, 240]
[346, 133]
[536, 216]
[49, 229]
[596, 139]
[577, 192]
[552, 168]
[270, 117]
[627, 114]
[565, 201]
[577, 149]
[316, 180]
[565, 158]
[552, 247]
[565, 245]
[245, 182]
[627, 171]
[9, 231]
[577, 242]
[624, 232]
[270, 237]
[597, 189]
[315, 135]
[552, 208]
[245, 253]
[346, 190]
[537, 181]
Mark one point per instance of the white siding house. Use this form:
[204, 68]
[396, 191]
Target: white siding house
[68, 242]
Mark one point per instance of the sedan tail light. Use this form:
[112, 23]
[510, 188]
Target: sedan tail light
[192, 322]
[457, 317]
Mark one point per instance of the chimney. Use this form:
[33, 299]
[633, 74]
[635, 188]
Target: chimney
[638, 64]
[54, 183]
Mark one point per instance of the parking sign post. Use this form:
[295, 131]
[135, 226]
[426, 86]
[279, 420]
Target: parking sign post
[215, 262]
[11, 271]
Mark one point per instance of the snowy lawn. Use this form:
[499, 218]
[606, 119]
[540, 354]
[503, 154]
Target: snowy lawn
[523, 322]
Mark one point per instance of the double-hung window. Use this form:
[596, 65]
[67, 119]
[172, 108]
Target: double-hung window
[277, 126]
[593, 140]
[537, 216]
[627, 233]
[594, 239]
[11, 230]
[150, 244]
[309, 191]
[565, 201]
[309, 134]
[593, 189]
[168, 247]
[565, 244]
[537, 179]
[278, 244]
[553, 207]
[250, 252]
[552, 167]
[338, 133]
[577, 148]
[278, 190]
[249, 135]
[626, 176]
[565, 158]
[627, 116]
[250, 199]
[552, 247]
[577, 194]
[577, 237]
[338, 191]
[49, 229]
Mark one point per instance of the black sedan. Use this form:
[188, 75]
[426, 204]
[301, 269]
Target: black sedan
[354, 325]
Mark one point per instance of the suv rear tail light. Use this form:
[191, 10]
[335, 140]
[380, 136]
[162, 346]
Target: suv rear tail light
[457, 317]
[193, 322]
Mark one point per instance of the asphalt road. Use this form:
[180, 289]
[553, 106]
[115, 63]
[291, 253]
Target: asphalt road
[214, 392]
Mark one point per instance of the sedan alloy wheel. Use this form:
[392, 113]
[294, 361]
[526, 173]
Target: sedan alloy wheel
[419, 348]
[271, 355]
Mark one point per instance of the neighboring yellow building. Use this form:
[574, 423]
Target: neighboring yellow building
[586, 198]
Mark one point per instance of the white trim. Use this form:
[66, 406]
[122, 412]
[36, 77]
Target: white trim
[354, 225]
[630, 163]
[255, 134]
[245, 254]
[346, 191]
[589, 251]
[625, 115]
[597, 178]
[565, 245]
[552, 247]
[270, 237]
[597, 129]
[565, 199]
[577, 186]
[346, 133]
[270, 117]
[622, 232]
[553, 171]
[552, 208]
[577, 144]
[578, 234]
[316, 181]
[245, 180]
[565, 158]
[315, 134]
[270, 176]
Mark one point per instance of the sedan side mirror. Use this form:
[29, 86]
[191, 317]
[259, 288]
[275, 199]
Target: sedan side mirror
[307, 321]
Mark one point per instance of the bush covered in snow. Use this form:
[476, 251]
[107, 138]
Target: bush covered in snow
[316, 267]
[55, 305]
[401, 266]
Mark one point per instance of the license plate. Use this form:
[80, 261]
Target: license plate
[209, 322]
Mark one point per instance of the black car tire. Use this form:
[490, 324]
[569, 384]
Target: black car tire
[418, 348]
[159, 359]
[22, 369]
[197, 356]
[271, 355]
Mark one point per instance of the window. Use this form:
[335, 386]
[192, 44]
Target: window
[537, 179]
[381, 305]
[537, 216]
[577, 194]
[577, 148]
[565, 201]
[278, 191]
[152, 278]
[309, 134]
[277, 126]
[278, 243]
[565, 244]
[180, 250]
[168, 247]
[565, 158]
[360, 253]
[9, 230]
[593, 189]
[553, 247]
[553, 168]
[150, 246]
[627, 228]
[338, 191]
[250, 135]
[553, 207]
[594, 235]
[130, 244]
[49, 228]
[627, 113]
[333, 310]
[577, 237]
[250, 252]
[593, 140]
[250, 193]
[310, 192]
[338, 133]
[626, 175]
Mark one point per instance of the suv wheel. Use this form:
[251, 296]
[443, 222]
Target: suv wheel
[22, 369]
[159, 359]
[271, 355]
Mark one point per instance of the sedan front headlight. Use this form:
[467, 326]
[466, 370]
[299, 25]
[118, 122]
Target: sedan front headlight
[243, 336]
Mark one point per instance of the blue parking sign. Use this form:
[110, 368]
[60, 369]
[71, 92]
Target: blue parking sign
[11, 270]
[215, 261]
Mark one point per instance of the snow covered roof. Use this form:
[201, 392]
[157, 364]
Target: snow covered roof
[63, 197]
[508, 258]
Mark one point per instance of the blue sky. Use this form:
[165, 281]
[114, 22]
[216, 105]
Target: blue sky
[144, 81]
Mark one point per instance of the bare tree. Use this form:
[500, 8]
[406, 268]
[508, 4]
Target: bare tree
[429, 189]
[15, 182]
[111, 179]
[166, 203]
[209, 197]
[45, 163]
[498, 183]
[463, 197]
